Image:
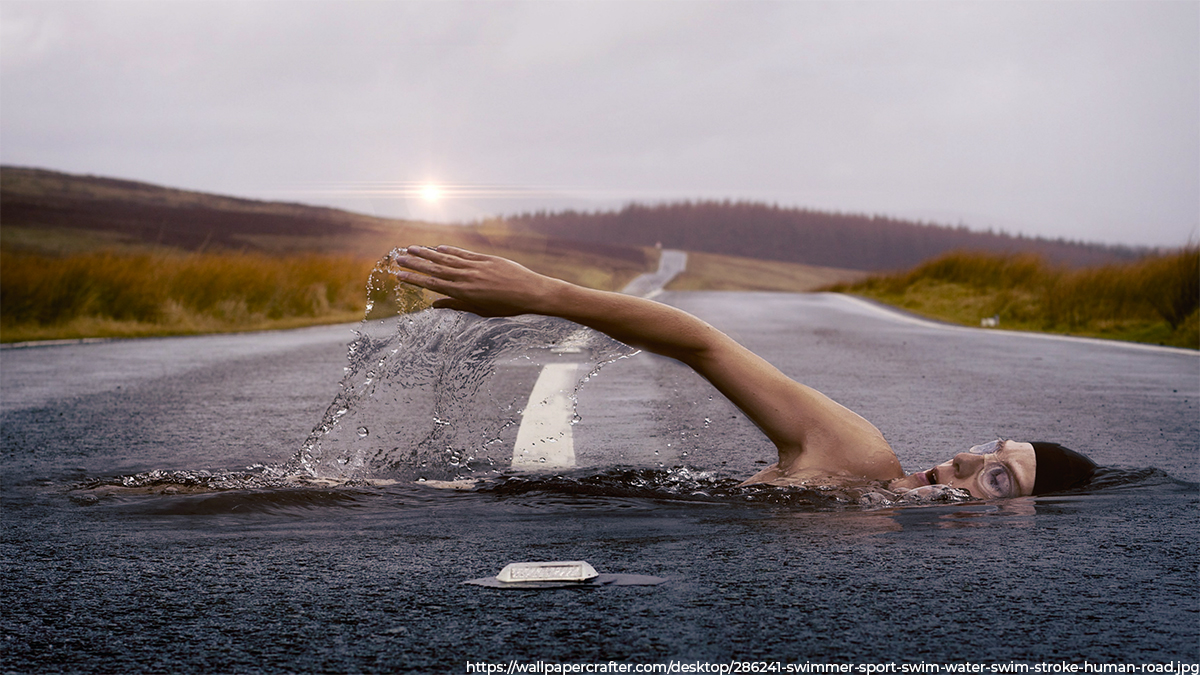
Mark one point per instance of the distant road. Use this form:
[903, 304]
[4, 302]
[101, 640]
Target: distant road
[671, 263]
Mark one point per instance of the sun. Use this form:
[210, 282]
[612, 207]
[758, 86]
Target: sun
[431, 192]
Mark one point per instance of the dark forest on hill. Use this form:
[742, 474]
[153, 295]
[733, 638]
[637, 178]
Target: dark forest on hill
[756, 230]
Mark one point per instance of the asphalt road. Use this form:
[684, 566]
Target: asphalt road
[363, 579]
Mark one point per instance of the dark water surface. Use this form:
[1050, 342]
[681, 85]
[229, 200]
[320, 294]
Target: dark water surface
[223, 562]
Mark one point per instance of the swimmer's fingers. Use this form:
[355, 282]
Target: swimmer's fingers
[418, 260]
[463, 253]
[447, 256]
[424, 281]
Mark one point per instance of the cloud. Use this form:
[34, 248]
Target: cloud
[1075, 119]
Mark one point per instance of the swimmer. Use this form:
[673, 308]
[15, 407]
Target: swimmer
[819, 441]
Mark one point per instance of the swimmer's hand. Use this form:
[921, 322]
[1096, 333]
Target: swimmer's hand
[483, 284]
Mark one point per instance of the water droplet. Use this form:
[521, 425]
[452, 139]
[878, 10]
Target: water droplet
[363, 432]
[542, 460]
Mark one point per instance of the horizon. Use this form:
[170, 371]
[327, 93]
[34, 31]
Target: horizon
[1066, 120]
[634, 204]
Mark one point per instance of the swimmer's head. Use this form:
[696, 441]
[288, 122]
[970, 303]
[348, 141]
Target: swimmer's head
[1002, 469]
[1060, 468]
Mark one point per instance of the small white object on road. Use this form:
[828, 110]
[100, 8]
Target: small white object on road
[562, 570]
[559, 574]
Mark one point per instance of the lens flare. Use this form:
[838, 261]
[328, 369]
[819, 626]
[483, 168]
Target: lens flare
[431, 192]
[438, 192]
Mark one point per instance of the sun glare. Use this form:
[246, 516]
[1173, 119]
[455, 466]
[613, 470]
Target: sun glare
[431, 193]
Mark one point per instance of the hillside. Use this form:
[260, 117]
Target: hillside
[50, 212]
[57, 213]
[765, 232]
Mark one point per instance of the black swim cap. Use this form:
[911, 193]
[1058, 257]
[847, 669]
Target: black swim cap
[1059, 468]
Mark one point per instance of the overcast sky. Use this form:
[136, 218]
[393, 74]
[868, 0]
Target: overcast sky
[1051, 118]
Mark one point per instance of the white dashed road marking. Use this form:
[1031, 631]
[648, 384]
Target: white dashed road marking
[544, 440]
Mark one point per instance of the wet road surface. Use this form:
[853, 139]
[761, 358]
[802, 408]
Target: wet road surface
[369, 579]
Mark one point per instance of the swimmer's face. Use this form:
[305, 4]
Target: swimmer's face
[1007, 469]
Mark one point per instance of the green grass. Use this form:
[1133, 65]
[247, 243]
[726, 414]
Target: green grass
[1153, 300]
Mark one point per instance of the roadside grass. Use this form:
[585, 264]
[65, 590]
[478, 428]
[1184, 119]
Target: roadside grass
[142, 291]
[1152, 300]
[111, 294]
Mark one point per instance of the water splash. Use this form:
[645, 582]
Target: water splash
[436, 393]
[683, 483]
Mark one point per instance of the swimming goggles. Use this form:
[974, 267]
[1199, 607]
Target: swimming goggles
[994, 479]
[987, 448]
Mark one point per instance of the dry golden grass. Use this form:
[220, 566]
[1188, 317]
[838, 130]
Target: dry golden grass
[128, 294]
[1152, 300]
[143, 291]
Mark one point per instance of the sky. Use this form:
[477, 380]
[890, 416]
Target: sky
[1053, 118]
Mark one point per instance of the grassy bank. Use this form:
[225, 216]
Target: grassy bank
[140, 292]
[167, 293]
[1153, 300]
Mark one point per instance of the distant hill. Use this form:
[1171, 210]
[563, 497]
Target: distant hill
[149, 213]
[94, 210]
[54, 212]
[755, 230]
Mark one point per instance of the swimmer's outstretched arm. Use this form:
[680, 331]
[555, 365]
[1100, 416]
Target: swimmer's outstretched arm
[808, 428]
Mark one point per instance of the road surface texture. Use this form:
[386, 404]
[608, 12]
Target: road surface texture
[368, 578]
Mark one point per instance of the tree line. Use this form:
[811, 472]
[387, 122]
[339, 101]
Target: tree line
[757, 230]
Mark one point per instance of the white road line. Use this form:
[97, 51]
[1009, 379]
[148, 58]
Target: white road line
[544, 440]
